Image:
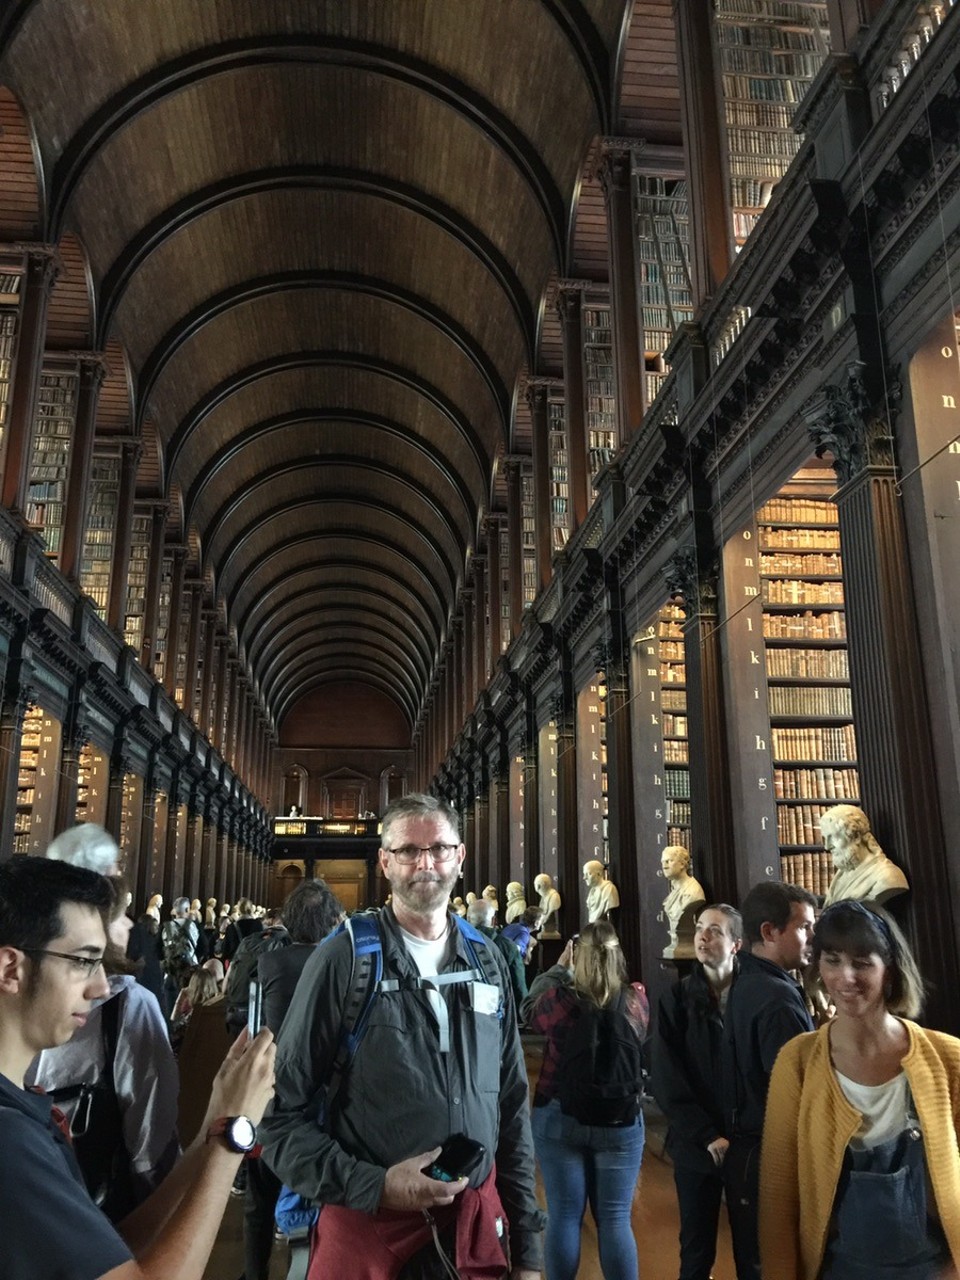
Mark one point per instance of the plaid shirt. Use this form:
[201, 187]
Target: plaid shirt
[549, 1011]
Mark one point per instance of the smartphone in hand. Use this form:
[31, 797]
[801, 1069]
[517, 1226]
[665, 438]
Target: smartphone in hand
[459, 1156]
[254, 1008]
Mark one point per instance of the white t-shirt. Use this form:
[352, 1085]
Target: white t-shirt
[427, 954]
[884, 1108]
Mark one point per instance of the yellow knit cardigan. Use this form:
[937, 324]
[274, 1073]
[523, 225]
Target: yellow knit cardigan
[808, 1126]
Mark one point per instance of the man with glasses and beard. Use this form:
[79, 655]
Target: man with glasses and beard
[439, 1056]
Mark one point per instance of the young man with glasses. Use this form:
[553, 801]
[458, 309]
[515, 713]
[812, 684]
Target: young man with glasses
[52, 939]
[440, 1056]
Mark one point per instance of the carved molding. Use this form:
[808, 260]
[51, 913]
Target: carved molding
[844, 423]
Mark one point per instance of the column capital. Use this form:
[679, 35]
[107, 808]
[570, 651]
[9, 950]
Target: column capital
[846, 422]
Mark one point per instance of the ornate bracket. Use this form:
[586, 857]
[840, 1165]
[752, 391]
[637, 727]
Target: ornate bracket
[842, 421]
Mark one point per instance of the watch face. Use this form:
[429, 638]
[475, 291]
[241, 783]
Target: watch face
[242, 1133]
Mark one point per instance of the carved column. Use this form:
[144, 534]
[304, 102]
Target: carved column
[568, 847]
[543, 525]
[220, 702]
[92, 372]
[895, 754]
[204, 716]
[154, 576]
[191, 862]
[712, 841]
[847, 19]
[38, 284]
[123, 540]
[515, 527]
[570, 309]
[628, 345]
[704, 142]
[468, 649]
[75, 736]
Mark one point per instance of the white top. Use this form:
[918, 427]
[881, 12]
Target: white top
[884, 1108]
[427, 954]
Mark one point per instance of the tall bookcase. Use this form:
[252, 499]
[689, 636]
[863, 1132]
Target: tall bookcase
[768, 53]
[136, 601]
[37, 778]
[559, 475]
[673, 712]
[812, 736]
[592, 771]
[599, 387]
[529, 524]
[93, 779]
[666, 293]
[101, 530]
[10, 282]
[50, 463]
[505, 636]
[163, 620]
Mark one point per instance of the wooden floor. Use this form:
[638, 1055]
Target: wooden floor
[655, 1221]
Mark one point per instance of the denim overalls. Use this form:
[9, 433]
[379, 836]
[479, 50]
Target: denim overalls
[880, 1225]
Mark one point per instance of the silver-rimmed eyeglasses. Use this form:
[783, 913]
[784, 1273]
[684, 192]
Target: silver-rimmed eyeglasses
[408, 854]
[87, 965]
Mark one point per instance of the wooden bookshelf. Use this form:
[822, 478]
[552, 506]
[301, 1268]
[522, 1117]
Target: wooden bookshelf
[9, 321]
[159, 655]
[505, 629]
[38, 772]
[101, 530]
[559, 475]
[663, 252]
[592, 772]
[768, 53]
[136, 602]
[27, 778]
[599, 387]
[671, 654]
[529, 525]
[812, 736]
[50, 461]
[93, 779]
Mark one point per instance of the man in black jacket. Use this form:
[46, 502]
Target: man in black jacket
[686, 1081]
[764, 1010]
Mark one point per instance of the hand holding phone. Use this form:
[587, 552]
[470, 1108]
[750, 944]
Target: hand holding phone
[254, 1008]
[458, 1157]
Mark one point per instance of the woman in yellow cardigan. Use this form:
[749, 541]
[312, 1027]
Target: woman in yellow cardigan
[858, 1115]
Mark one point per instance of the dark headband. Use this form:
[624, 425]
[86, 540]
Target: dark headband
[861, 909]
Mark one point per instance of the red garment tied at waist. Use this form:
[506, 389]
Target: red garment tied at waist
[374, 1246]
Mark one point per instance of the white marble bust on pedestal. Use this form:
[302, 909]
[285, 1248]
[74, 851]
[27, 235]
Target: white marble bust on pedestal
[602, 894]
[549, 905]
[682, 903]
[862, 870]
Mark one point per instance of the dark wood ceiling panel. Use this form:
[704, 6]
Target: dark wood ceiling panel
[20, 213]
[649, 104]
[322, 232]
[70, 310]
[309, 398]
[310, 121]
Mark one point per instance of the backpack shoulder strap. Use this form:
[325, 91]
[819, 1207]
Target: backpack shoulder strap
[366, 942]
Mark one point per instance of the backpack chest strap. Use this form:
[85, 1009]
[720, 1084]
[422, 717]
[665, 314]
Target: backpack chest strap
[433, 985]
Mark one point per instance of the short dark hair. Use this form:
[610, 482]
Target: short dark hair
[417, 805]
[771, 902]
[863, 929]
[32, 890]
[312, 911]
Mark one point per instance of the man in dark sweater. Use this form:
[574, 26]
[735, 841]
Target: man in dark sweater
[765, 1009]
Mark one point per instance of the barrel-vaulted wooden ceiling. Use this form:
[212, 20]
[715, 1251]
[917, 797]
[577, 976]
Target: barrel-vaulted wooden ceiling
[324, 234]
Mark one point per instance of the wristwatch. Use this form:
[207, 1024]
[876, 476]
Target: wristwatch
[238, 1132]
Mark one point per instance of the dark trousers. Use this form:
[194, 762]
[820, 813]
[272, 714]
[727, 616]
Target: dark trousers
[698, 1195]
[742, 1179]
[263, 1188]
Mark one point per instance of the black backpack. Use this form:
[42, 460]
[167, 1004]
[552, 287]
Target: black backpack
[599, 1073]
[96, 1126]
[243, 966]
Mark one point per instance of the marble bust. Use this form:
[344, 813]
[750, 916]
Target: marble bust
[516, 902]
[681, 904]
[602, 894]
[549, 904]
[861, 869]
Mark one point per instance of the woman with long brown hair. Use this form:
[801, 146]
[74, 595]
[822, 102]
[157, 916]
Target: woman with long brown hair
[587, 1124]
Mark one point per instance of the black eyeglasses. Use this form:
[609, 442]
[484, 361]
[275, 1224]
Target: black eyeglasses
[408, 854]
[87, 965]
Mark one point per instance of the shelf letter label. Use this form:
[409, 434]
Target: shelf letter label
[761, 743]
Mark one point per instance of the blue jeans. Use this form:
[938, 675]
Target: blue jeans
[581, 1163]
